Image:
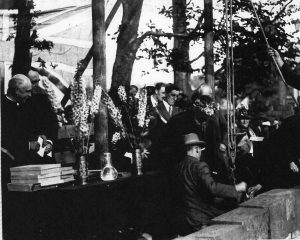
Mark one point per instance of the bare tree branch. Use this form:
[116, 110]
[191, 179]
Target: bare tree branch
[281, 11]
[139, 40]
[195, 59]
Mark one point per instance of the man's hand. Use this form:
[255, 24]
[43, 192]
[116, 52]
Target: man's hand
[222, 147]
[294, 167]
[273, 53]
[44, 140]
[34, 146]
[241, 187]
[48, 148]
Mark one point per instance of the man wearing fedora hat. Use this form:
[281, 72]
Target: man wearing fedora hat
[197, 188]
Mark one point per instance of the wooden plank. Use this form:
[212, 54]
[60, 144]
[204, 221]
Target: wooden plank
[99, 74]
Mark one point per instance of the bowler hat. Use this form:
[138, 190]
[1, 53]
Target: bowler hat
[192, 139]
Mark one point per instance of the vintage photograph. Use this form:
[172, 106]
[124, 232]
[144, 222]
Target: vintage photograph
[150, 119]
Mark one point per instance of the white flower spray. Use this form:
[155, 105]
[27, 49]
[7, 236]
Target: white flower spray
[142, 105]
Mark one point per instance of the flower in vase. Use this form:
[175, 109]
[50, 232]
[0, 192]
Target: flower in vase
[114, 113]
[122, 94]
[115, 138]
[55, 103]
[96, 99]
[142, 105]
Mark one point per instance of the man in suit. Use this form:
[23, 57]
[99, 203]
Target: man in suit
[18, 133]
[282, 155]
[160, 115]
[44, 119]
[167, 109]
[211, 124]
[157, 96]
[196, 188]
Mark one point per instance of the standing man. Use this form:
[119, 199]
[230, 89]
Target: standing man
[206, 120]
[157, 97]
[44, 119]
[160, 115]
[18, 136]
[197, 188]
[167, 109]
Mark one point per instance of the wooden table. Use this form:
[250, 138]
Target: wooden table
[96, 209]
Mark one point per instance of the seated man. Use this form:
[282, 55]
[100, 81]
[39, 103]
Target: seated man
[18, 138]
[197, 188]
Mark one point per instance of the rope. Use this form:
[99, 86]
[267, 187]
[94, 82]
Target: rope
[230, 87]
[273, 58]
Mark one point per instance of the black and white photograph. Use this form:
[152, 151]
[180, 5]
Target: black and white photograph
[150, 119]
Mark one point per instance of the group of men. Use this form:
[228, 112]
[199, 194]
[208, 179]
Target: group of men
[192, 143]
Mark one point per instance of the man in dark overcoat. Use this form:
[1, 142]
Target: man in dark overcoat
[196, 188]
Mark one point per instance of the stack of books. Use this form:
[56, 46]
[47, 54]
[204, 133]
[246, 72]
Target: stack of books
[67, 174]
[36, 177]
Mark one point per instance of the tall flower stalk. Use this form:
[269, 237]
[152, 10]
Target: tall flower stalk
[83, 110]
[129, 117]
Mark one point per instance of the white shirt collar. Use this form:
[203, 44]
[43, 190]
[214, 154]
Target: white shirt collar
[153, 101]
[12, 100]
[167, 105]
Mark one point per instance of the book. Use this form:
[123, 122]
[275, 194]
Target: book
[66, 176]
[35, 172]
[69, 179]
[43, 181]
[35, 176]
[67, 172]
[35, 167]
[15, 187]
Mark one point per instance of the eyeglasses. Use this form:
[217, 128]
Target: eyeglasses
[174, 95]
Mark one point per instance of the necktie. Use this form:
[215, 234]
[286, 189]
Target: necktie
[170, 110]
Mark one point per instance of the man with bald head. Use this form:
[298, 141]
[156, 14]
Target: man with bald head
[18, 137]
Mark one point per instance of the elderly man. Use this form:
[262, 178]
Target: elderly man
[197, 188]
[19, 142]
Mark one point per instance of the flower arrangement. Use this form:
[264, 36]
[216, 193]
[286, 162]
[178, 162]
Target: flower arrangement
[84, 110]
[209, 109]
[129, 118]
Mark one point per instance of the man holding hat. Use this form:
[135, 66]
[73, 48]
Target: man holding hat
[197, 188]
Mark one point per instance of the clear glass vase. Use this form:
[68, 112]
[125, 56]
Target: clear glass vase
[108, 173]
[82, 169]
[137, 163]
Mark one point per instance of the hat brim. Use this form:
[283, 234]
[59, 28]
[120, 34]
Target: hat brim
[195, 143]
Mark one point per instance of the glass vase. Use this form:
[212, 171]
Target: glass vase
[82, 169]
[108, 173]
[137, 163]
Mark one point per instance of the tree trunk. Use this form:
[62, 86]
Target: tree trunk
[126, 43]
[209, 44]
[22, 58]
[99, 75]
[182, 67]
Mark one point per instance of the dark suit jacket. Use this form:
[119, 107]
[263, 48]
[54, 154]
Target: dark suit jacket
[15, 130]
[23, 123]
[197, 189]
[209, 130]
[43, 119]
[292, 77]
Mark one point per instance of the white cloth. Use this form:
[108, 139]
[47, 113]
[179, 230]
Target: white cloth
[153, 101]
